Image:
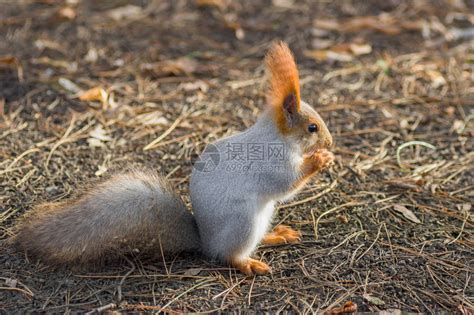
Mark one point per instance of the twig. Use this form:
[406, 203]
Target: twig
[119, 287]
[407, 144]
[349, 204]
[173, 126]
[102, 309]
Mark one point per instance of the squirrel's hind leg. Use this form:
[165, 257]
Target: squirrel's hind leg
[281, 234]
[250, 266]
[257, 223]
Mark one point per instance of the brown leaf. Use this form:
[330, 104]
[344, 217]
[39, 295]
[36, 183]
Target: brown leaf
[66, 13]
[94, 94]
[180, 66]
[406, 213]
[376, 23]
[65, 64]
[348, 308]
[342, 218]
[125, 12]
[211, 3]
[327, 24]
[8, 60]
[327, 54]
[13, 61]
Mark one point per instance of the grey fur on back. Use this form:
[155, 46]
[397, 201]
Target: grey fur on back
[136, 210]
[227, 200]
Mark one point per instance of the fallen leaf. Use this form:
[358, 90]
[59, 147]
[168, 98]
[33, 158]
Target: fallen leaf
[450, 110]
[125, 12]
[436, 78]
[406, 213]
[149, 119]
[458, 126]
[121, 142]
[13, 61]
[342, 218]
[98, 137]
[92, 55]
[69, 85]
[382, 23]
[319, 32]
[360, 49]
[95, 143]
[180, 66]
[12, 283]
[286, 4]
[66, 13]
[320, 43]
[373, 300]
[327, 54]
[95, 94]
[42, 44]
[327, 24]
[8, 60]
[348, 308]
[192, 272]
[198, 85]
[56, 63]
[211, 3]
[341, 52]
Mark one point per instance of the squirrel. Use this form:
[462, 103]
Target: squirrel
[233, 198]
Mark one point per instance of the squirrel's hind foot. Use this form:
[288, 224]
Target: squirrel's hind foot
[251, 266]
[282, 234]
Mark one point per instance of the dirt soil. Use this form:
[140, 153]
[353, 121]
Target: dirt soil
[388, 227]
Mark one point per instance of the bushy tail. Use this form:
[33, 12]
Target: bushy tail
[134, 211]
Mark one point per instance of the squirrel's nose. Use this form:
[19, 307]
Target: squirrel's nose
[327, 142]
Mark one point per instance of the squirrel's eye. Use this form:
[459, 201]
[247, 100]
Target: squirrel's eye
[312, 128]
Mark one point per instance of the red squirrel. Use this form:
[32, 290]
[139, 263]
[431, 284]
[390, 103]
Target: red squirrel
[233, 201]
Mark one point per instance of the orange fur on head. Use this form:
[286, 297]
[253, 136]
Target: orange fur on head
[284, 80]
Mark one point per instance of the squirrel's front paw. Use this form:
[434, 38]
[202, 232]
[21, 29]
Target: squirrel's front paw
[323, 158]
[281, 234]
[252, 266]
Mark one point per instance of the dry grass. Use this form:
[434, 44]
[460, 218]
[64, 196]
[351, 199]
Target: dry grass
[169, 77]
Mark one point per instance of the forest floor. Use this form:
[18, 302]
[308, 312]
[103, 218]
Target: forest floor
[89, 87]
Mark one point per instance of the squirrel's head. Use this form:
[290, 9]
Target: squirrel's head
[295, 119]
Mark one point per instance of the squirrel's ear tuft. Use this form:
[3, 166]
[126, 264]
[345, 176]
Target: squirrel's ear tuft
[284, 89]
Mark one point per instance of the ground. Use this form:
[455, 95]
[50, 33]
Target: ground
[388, 226]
